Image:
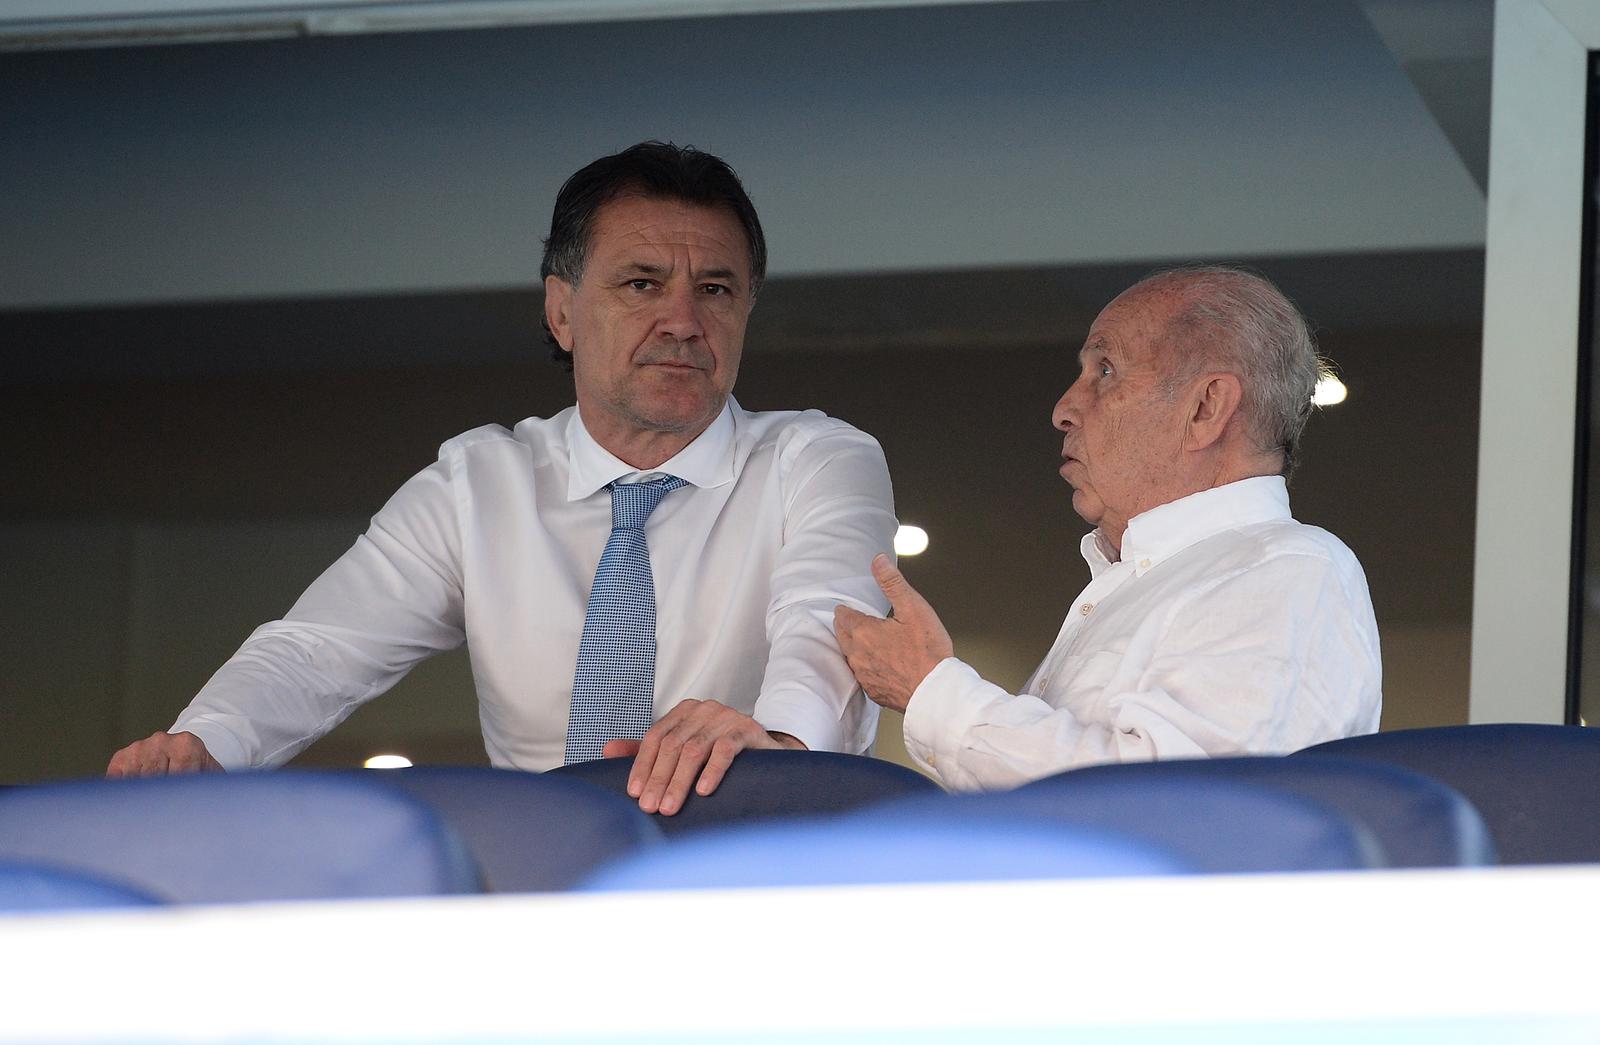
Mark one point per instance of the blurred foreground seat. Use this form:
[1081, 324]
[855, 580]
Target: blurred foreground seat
[26, 888]
[1416, 820]
[1533, 784]
[931, 845]
[1215, 826]
[761, 785]
[528, 832]
[226, 838]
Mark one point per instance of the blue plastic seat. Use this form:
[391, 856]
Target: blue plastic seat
[223, 838]
[1220, 826]
[761, 785]
[32, 888]
[1418, 821]
[1533, 784]
[870, 849]
[528, 832]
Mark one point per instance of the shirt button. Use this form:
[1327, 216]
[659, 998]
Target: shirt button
[1085, 608]
[1144, 564]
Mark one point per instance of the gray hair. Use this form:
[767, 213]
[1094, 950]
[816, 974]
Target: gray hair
[1235, 320]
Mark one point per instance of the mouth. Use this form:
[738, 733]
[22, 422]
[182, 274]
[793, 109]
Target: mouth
[671, 367]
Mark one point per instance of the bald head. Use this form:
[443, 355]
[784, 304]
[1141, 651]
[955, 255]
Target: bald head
[1219, 318]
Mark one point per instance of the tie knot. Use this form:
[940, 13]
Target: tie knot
[632, 503]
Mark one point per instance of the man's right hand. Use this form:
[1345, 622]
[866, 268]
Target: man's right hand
[163, 753]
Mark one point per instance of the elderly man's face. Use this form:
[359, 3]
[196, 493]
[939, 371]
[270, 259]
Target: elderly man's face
[1122, 450]
[656, 323]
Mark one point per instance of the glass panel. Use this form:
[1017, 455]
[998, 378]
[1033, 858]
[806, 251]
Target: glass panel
[1583, 704]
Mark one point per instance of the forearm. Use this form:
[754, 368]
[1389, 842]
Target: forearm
[808, 691]
[289, 684]
[972, 734]
[391, 600]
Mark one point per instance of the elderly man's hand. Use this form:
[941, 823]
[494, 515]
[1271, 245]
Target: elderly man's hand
[890, 657]
[697, 737]
[160, 754]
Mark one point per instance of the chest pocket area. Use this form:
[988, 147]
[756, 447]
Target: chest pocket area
[1081, 681]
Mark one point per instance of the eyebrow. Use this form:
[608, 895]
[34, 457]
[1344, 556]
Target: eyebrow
[645, 268]
[641, 267]
[1100, 345]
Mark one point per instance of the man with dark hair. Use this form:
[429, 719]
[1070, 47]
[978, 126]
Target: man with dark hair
[1213, 623]
[652, 571]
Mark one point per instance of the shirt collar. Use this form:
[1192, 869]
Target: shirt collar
[1167, 529]
[706, 462]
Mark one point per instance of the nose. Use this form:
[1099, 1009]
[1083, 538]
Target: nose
[1065, 415]
[680, 314]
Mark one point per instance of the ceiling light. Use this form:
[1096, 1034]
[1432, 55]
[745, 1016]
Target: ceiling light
[1330, 390]
[387, 762]
[910, 540]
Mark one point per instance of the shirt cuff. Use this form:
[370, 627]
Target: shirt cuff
[946, 704]
[220, 743]
[801, 716]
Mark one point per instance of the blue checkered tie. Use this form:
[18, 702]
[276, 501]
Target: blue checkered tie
[614, 688]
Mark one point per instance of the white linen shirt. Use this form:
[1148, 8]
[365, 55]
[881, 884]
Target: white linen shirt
[1226, 628]
[496, 545]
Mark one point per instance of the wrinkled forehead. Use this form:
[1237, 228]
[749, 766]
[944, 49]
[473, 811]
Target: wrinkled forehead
[1133, 326]
[633, 222]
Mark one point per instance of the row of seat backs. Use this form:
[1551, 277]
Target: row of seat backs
[1533, 784]
[1439, 797]
[422, 831]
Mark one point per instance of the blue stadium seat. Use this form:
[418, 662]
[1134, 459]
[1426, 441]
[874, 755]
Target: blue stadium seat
[33, 888]
[1220, 826]
[761, 785]
[1533, 784]
[224, 838]
[870, 849]
[528, 832]
[1418, 821]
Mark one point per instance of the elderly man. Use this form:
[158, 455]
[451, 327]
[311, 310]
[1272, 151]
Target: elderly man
[654, 554]
[1214, 623]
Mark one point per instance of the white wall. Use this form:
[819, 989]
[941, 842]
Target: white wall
[880, 140]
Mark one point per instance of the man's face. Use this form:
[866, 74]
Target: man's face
[656, 323]
[1122, 451]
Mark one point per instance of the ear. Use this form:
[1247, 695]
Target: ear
[557, 309]
[1214, 402]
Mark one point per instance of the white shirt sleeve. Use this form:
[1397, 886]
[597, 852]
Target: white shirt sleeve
[1265, 660]
[840, 515]
[393, 599]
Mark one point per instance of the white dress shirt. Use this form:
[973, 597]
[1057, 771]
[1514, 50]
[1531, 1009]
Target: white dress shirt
[496, 545]
[1225, 628]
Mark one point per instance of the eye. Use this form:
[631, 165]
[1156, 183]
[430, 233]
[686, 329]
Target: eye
[715, 290]
[640, 284]
[1103, 368]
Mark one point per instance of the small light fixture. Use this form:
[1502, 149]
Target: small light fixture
[910, 540]
[1330, 390]
[387, 762]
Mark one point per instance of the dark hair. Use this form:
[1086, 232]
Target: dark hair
[654, 170]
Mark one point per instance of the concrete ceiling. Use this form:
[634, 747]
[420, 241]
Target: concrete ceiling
[879, 141]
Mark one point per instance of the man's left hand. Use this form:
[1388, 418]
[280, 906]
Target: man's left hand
[697, 737]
